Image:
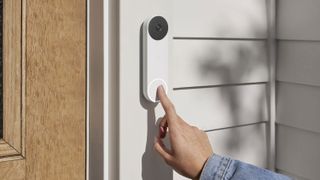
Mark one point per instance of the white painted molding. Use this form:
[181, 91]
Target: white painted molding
[271, 14]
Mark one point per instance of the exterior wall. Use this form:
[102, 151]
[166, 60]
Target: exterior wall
[219, 73]
[137, 117]
[218, 80]
[298, 99]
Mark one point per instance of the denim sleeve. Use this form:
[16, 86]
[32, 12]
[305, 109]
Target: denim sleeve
[225, 168]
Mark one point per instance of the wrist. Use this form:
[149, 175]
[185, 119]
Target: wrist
[202, 167]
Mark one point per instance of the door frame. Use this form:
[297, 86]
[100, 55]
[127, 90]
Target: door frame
[97, 126]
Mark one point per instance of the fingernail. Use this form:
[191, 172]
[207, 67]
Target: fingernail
[161, 87]
[165, 129]
[161, 129]
[162, 132]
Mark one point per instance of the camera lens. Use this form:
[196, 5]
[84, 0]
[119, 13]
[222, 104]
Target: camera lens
[158, 28]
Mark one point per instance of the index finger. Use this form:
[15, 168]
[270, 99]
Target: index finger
[165, 102]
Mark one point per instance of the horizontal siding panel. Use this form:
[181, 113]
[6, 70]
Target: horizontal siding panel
[220, 18]
[294, 176]
[220, 107]
[299, 106]
[298, 19]
[215, 62]
[247, 144]
[299, 62]
[298, 152]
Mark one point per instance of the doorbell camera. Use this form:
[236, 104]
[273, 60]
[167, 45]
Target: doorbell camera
[158, 28]
[155, 56]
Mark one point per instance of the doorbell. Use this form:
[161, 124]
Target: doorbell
[155, 56]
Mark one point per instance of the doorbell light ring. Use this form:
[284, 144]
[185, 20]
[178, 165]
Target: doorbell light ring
[153, 87]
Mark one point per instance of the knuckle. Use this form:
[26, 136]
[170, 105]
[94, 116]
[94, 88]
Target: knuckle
[195, 128]
[163, 121]
[204, 134]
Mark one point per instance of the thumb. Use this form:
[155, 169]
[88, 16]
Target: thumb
[163, 126]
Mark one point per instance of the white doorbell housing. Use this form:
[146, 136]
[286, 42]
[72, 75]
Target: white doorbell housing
[155, 56]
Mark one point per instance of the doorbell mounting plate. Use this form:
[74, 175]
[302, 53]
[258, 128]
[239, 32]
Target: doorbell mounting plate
[155, 56]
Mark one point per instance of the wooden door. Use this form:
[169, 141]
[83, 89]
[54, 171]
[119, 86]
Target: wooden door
[44, 90]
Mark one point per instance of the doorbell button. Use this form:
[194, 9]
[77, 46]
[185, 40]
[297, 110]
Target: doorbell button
[153, 87]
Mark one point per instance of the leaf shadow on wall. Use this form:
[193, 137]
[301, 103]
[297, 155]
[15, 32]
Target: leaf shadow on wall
[153, 167]
[233, 98]
[246, 59]
[223, 68]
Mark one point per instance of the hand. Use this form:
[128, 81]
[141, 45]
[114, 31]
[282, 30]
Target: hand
[190, 147]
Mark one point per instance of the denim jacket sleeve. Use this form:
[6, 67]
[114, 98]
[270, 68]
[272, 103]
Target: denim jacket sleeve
[224, 168]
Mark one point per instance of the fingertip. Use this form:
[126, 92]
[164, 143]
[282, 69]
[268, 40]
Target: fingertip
[159, 88]
[160, 91]
[161, 129]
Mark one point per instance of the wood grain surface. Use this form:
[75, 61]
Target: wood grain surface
[12, 73]
[12, 163]
[55, 89]
[12, 170]
[7, 150]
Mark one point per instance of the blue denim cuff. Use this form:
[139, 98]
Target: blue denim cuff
[216, 167]
[224, 168]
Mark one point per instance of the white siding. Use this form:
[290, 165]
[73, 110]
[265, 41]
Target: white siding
[220, 107]
[217, 72]
[298, 152]
[298, 19]
[299, 61]
[299, 106]
[216, 62]
[241, 30]
[247, 143]
[220, 18]
[137, 159]
[294, 176]
[298, 100]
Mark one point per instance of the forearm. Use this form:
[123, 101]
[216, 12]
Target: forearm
[224, 168]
